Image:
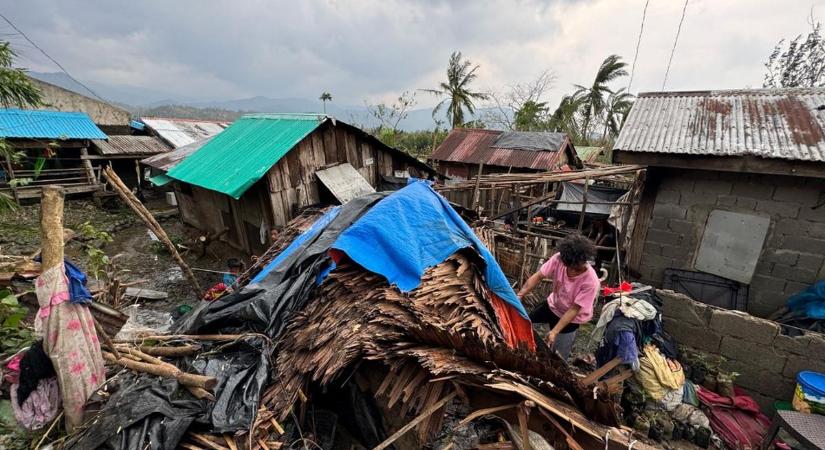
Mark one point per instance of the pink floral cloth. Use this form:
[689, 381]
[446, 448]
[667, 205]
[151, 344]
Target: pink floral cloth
[70, 340]
[40, 407]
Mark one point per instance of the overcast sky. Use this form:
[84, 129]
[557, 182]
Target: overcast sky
[364, 49]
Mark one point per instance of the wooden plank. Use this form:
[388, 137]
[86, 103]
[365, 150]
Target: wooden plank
[643, 218]
[317, 143]
[340, 144]
[352, 151]
[294, 168]
[330, 151]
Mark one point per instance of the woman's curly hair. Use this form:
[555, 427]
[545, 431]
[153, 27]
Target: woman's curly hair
[575, 250]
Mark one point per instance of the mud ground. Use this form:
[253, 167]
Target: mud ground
[134, 252]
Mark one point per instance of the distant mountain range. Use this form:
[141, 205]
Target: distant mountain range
[150, 102]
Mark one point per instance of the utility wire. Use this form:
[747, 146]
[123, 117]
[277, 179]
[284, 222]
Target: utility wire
[638, 42]
[50, 58]
[675, 41]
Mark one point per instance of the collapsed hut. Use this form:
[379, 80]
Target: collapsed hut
[525, 215]
[337, 338]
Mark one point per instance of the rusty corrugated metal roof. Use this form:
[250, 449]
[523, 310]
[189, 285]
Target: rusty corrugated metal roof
[130, 145]
[474, 146]
[769, 123]
[180, 132]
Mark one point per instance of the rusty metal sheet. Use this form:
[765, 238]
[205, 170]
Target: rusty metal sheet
[130, 145]
[769, 123]
[344, 182]
[473, 146]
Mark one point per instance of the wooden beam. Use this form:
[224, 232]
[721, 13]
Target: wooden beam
[584, 204]
[425, 414]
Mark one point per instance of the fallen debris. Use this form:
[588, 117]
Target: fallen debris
[313, 322]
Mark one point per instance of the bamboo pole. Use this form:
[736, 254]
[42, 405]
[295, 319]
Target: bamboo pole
[427, 413]
[153, 225]
[584, 204]
[164, 370]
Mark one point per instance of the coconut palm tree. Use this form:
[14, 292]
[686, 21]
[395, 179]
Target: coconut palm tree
[325, 97]
[616, 109]
[456, 90]
[565, 118]
[594, 96]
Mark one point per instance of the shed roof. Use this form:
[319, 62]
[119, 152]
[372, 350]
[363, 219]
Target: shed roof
[770, 123]
[128, 145]
[180, 132]
[165, 161]
[239, 156]
[532, 150]
[38, 124]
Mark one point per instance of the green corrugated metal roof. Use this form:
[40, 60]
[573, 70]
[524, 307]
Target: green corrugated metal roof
[241, 154]
[160, 180]
[587, 153]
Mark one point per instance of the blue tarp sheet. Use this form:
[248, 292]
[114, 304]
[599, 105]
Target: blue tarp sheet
[411, 230]
[810, 302]
[316, 228]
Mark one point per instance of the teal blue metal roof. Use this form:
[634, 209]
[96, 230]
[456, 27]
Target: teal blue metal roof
[36, 124]
[161, 180]
[241, 154]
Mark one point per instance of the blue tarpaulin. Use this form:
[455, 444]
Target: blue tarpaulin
[810, 302]
[414, 229]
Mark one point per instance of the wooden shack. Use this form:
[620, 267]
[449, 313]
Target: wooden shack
[49, 147]
[261, 171]
[467, 152]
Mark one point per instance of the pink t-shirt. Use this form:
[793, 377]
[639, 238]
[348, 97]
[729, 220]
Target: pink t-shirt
[580, 290]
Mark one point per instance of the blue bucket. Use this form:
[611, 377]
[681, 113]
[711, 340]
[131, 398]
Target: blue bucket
[809, 396]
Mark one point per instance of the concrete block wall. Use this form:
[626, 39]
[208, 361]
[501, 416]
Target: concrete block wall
[793, 256]
[766, 360]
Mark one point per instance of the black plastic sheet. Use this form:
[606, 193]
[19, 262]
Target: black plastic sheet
[155, 413]
[149, 413]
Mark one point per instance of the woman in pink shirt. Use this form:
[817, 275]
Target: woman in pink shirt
[575, 287]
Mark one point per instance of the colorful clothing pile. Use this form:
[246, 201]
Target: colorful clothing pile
[70, 340]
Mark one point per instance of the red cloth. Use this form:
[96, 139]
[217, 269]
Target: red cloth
[623, 287]
[737, 420]
[517, 331]
[215, 292]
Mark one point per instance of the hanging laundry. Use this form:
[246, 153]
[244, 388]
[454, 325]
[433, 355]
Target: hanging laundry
[632, 308]
[70, 340]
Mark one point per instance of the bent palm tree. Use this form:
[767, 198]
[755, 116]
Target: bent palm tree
[616, 109]
[564, 117]
[594, 96]
[456, 90]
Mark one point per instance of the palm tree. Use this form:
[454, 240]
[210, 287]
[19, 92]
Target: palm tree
[564, 119]
[325, 97]
[456, 90]
[531, 116]
[616, 109]
[594, 96]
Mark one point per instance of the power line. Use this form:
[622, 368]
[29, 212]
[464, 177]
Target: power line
[50, 58]
[638, 42]
[675, 41]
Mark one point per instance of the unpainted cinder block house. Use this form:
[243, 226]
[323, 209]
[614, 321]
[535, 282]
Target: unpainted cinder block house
[733, 210]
